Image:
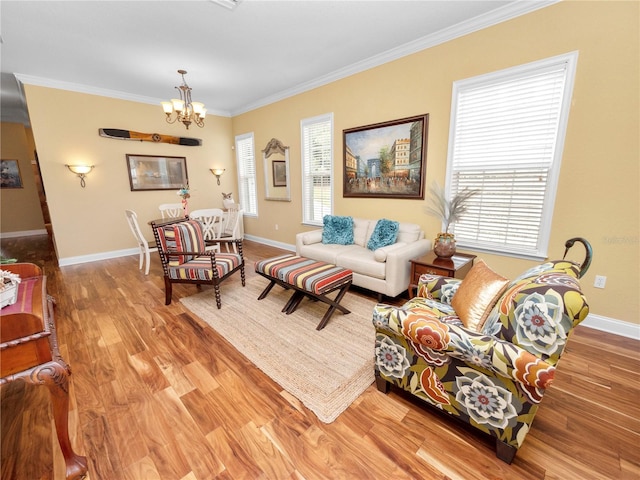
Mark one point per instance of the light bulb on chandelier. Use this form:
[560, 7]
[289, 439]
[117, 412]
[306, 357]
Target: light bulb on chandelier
[183, 109]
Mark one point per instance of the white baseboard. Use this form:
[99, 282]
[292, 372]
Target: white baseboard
[96, 257]
[25, 233]
[273, 243]
[597, 322]
[611, 325]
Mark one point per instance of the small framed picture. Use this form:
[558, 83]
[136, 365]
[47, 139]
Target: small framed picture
[279, 173]
[149, 172]
[10, 174]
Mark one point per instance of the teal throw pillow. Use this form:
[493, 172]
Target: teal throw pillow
[337, 230]
[385, 233]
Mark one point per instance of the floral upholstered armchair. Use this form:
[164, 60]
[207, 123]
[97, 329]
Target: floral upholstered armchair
[489, 367]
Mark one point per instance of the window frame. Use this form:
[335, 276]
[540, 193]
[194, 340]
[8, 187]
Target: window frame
[249, 205]
[307, 200]
[539, 252]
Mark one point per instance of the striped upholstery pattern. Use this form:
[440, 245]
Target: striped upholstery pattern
[305, 273]
[200, 267]
[182, 237]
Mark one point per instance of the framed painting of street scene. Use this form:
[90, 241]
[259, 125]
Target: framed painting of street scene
[386, 160]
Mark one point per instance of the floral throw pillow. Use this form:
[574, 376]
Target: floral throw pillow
[385, 233]
[337, 230]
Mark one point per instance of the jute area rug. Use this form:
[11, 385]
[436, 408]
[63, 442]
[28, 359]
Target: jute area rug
[326, 370]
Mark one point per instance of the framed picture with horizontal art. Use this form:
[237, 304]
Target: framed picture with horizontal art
[10, 174]
[150, 172]
[386, 160]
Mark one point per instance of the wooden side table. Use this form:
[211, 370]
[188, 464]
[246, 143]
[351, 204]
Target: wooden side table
[455, 267]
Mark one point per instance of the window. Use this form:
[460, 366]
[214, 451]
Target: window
[317, 168]
[247, 193]
[506, 140]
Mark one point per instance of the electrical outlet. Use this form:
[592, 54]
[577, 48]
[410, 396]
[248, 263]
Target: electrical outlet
[600, 281]
[276, 226]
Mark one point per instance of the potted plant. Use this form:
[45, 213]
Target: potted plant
[449, 211]
[184, 193]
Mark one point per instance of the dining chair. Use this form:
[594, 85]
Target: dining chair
[171, 210]
[212, 220]
[184, 259]
[231, 229]
[132, 219]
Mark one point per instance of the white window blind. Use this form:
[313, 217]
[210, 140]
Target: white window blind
[246, 161]
[506, 140]
[317, 168]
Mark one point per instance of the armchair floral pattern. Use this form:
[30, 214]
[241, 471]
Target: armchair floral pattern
[493, 379]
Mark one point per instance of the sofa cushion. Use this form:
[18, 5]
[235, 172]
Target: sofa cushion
[409, 232]
[325, 252]
[337, 230]
[385, 233]
[477, 294]
[362, 230]
[362, 261]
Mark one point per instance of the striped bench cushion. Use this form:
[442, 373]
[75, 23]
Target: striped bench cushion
[200, 267]
[307, 274]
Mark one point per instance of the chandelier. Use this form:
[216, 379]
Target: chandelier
[184, 109]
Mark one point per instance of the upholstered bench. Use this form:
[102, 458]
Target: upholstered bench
[309, 278]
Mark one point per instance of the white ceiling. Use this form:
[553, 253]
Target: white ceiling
[237, 60]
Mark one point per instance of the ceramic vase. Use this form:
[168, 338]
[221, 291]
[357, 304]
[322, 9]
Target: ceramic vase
[444, 245]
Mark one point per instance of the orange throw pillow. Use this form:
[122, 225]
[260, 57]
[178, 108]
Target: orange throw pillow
[477, 294]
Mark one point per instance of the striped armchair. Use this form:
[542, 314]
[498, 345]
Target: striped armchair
[181, 246]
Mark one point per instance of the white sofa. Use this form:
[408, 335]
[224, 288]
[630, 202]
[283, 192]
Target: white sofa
[385, 270]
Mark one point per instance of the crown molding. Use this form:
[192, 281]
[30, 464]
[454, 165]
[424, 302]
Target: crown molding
[103, 92]
[503, 14]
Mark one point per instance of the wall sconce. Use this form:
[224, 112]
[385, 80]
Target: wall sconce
[81, 171]
[217, 172]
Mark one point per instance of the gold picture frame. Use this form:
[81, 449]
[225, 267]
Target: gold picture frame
[386, 160]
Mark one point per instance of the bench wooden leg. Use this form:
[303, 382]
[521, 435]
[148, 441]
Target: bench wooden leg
[293, 302]
[333, 305]
[266, 291]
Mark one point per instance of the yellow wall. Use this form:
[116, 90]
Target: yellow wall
[91, 220]
[19, 207]
[598, 187]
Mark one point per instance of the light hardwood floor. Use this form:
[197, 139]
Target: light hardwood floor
[156, 394]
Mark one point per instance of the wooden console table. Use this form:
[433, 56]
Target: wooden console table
[29, 352]
[456, 267]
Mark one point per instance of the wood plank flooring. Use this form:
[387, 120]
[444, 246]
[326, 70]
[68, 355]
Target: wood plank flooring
[156, 394]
